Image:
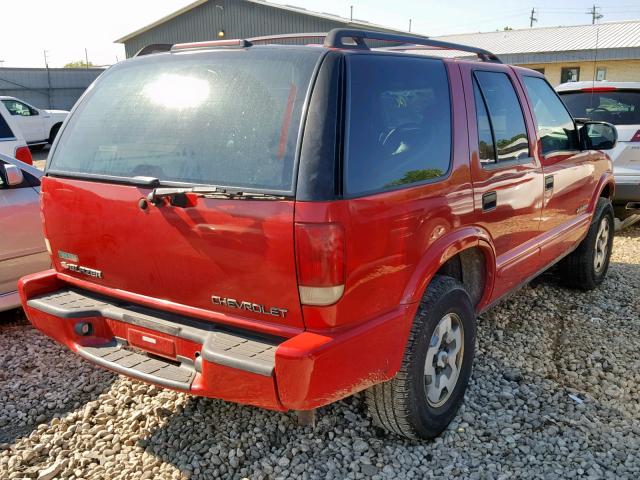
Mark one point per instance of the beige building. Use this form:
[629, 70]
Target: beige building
[607, 51]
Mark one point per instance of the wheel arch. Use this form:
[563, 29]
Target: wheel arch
[55, 126]
[467, 252]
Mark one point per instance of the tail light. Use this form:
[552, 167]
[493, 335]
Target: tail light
[320, 251]
[24, 155]
[636, 137]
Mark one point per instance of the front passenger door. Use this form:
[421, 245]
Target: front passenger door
[28, 119]
[569, 174]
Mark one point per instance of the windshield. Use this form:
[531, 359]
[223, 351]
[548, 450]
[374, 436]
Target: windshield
[225, 117]
[617, 107]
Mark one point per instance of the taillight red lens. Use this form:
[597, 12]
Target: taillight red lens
[320, 251]
[24, 155]
[636, 137]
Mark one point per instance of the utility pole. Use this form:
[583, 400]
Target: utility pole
[46, 65]
[595, 15]
[409, 24]
[532, 18]
[351, 13]
[86, 59]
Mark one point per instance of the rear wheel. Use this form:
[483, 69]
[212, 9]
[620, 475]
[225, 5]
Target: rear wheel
[425, 395]
[586, 267]
[54, 133]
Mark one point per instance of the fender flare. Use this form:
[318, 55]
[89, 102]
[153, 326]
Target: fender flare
[606, 180]
[445, 248]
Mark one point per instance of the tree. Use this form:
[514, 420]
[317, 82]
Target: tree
[78, 64]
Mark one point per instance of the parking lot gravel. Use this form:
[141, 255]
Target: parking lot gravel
[554, 394]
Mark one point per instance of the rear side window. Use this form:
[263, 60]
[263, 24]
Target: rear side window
[555, 126]
[617, 107]
[496, 97]
[223, 117]
[399, 122]
[5, 130]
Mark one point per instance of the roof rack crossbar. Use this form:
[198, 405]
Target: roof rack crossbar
[288, 36]
[335, 39]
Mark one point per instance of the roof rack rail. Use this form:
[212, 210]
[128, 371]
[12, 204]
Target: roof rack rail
[154, 48]
[288, 36]
[335, 39]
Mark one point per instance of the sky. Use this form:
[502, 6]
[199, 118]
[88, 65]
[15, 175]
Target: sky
[65, 28]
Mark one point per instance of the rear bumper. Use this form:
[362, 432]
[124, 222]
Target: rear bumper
[301, 372]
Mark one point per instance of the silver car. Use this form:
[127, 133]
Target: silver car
[22, 245]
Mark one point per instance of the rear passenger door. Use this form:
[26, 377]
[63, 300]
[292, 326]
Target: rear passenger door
[570, 174]
[507, 178]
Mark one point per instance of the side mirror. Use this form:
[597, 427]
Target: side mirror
[598, 136]
[13, 175]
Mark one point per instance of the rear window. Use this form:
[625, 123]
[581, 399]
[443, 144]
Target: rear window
[5, 130]
[617, 107]
[228, 117]
[399, 122]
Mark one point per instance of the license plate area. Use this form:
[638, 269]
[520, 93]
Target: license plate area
[151, 343]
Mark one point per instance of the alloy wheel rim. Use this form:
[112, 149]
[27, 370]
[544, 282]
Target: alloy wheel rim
[601, 246]
[444, 359]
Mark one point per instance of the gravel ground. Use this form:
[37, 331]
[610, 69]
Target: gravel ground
[554, 394]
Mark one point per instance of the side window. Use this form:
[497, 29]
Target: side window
[555, 126]
[399, 122]
[18, 108]
[5, 130]
[496, 96]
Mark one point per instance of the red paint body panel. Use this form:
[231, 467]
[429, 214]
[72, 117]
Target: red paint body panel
[174, 259]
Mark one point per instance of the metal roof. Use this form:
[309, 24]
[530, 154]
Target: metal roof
[327, 16]
[610, 35]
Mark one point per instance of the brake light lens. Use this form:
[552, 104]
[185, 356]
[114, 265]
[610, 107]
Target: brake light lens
[24, 155]
[636, 137]
[320, 258]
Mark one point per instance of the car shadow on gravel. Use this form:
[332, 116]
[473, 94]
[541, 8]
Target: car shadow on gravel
[40, 379]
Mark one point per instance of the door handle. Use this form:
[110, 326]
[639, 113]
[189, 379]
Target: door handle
[489, 201]
[548, 183]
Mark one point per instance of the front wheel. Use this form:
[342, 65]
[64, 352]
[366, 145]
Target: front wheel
[422, 399]
[586, 267]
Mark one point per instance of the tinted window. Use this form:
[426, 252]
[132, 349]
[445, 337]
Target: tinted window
[226, 117]
[5, 130]
[555, 126]
[507, 121]
[486, 147]
[399, 129]
[617, 107]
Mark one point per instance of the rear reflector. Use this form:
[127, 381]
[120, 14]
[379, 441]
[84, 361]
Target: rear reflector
[320, 252]
[24, 155]
[636, 137]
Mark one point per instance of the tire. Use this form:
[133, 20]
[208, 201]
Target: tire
[586, 267]
[402, 405]
[54, 133]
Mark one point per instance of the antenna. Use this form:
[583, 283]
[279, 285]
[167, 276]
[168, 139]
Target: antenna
[409, 24]
[595, 14]
[532, 18]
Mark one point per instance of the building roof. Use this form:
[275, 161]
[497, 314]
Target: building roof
[327, 16]
[608, 35]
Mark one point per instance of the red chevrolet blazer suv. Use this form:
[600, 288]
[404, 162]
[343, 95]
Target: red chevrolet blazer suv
[286, 225]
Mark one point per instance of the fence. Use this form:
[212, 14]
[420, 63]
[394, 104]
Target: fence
[53, 88]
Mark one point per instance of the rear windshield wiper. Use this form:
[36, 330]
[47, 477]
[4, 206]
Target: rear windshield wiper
[177, 197]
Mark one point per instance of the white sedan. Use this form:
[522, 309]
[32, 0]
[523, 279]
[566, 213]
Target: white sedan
[38, 126]
[12, 142]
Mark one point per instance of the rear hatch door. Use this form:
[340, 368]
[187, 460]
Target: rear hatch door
[225, 121]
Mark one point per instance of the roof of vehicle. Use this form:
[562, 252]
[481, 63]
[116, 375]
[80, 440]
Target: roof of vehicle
[598, 85]
[341, 39]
